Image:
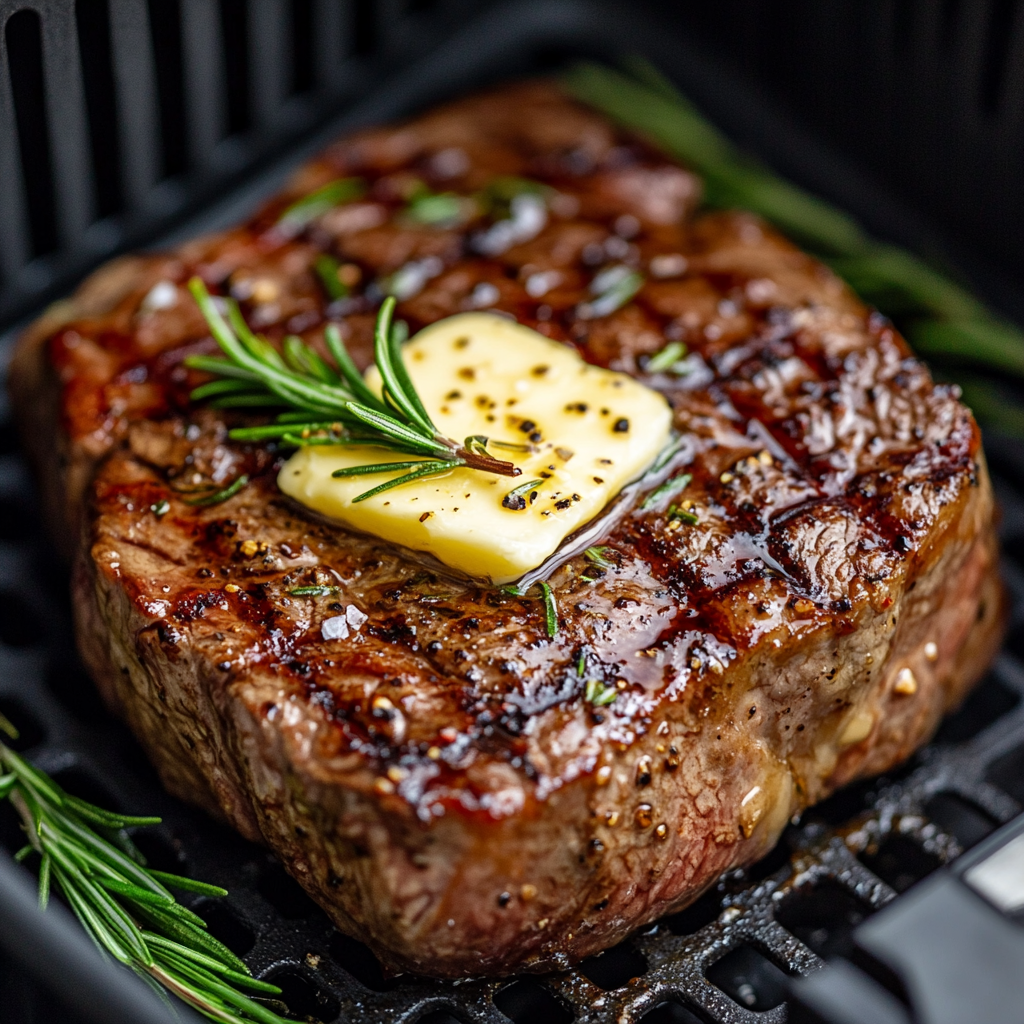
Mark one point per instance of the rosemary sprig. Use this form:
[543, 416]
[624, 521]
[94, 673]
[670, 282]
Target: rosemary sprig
[331, 404]
[670, 488]
[939, 317]
[126, 908]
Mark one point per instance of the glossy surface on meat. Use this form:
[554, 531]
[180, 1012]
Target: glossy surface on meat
[435, 775]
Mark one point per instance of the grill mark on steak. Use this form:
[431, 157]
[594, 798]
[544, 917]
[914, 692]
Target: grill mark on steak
[442, 761]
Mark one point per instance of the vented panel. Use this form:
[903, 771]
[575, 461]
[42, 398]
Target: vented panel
[116, 116]
[925, 95]
[151, 106]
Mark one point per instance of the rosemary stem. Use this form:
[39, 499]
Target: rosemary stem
[487, 464]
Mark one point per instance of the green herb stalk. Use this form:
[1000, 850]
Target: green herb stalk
[125, 907]
[331, 404]
[939, 317]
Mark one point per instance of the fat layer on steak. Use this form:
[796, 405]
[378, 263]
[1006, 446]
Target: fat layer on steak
[433, 773]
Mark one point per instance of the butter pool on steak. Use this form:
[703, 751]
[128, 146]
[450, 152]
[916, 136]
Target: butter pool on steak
[434, 776]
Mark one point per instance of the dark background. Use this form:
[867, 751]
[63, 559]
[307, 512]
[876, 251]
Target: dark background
[121, 123]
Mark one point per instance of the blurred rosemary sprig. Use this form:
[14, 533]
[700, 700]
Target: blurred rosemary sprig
[125, 907]
[940, 318]
[333, 405]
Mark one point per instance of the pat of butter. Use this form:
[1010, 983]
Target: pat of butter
[593, 431]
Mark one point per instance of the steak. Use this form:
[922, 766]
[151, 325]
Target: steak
[433, 774]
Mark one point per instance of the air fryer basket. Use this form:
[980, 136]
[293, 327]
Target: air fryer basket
[723, 960]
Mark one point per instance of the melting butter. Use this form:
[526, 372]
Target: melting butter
[591, 431]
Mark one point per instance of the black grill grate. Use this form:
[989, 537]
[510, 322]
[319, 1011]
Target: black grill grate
[723, 960]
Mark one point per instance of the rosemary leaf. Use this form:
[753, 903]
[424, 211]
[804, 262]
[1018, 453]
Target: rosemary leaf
[669, 489]
[351, 375]
[220, 496]
[683, 515]
[379, 467]
[439, 209]
[301, 358]
[598, 694]
[510, 446]
[516, 499]
[327, 268]
[987, 402]
[190, 935]
[426, 469]
[550, 609]
[317, 591]
[250, 400]
[104, 850]
[224, 386]
[900, 283]
[187, 884]
[220, 365]
[305, 440]
[275, 430]
[103, 905]
[397, 385]
[257, 347]
[305, 210]
[44, 881]
[136, 893]
[668, 453]
[994, 344]
[663, 361]
[406, 438]
[159, 943]
[598, 556]
[91, 920]
[109, 893]
[37, 782]
[614, 296]
[7, 783]
[476, 443]
[108, 818]
[211, 984]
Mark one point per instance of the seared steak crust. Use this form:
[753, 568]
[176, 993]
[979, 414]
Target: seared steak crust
[437, 779]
